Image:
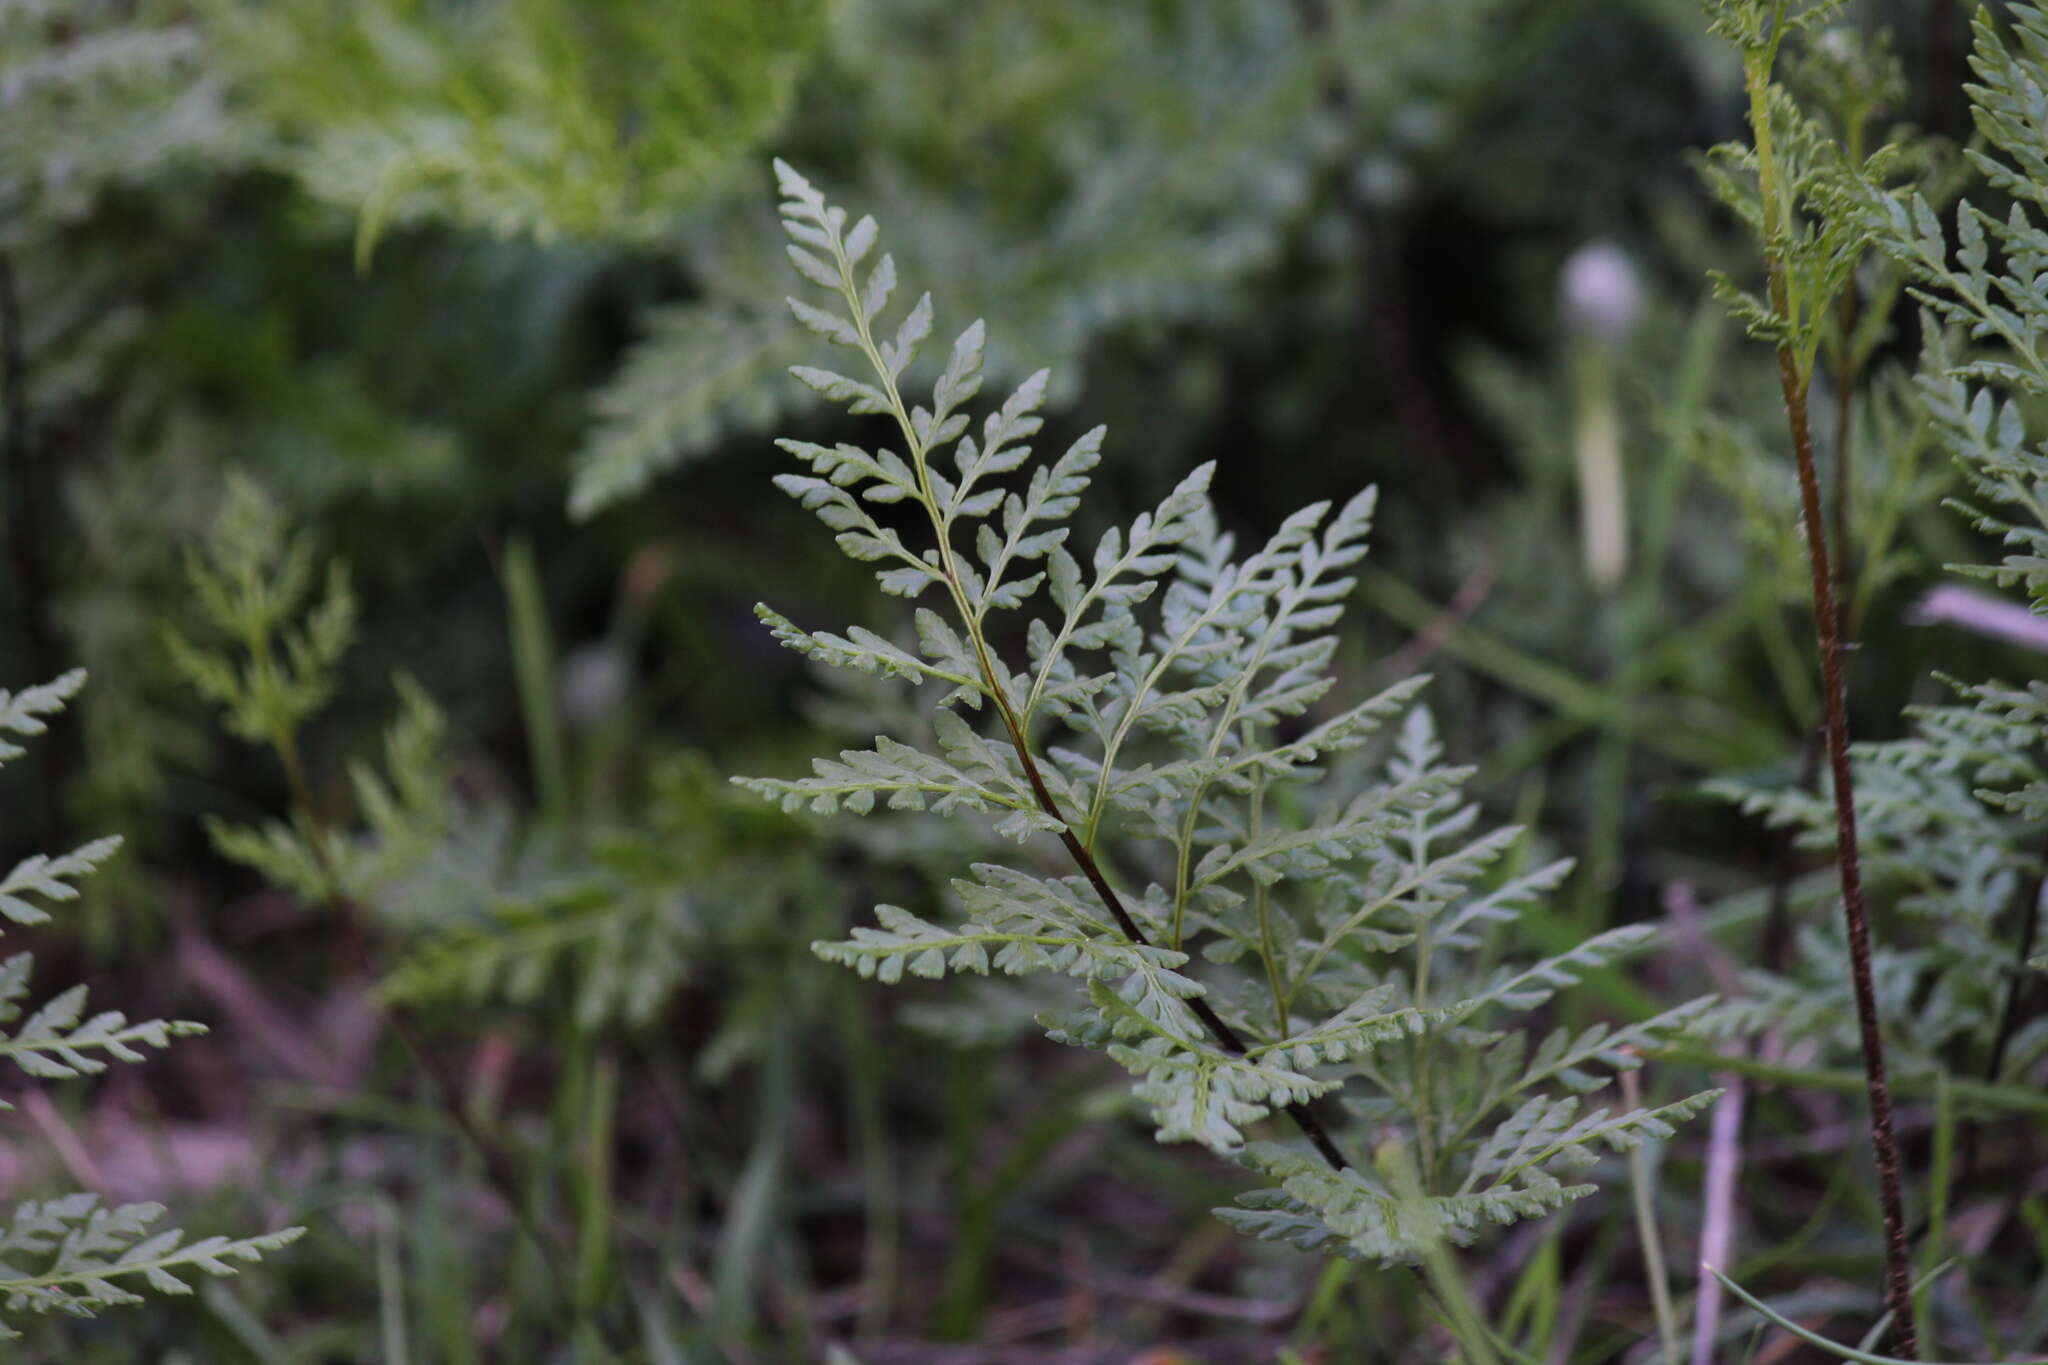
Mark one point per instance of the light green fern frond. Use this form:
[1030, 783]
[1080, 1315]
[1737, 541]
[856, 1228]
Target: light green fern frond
[276, 637]
[23, 712]
[1949, 815]
[1158, 709]
[1980, 288]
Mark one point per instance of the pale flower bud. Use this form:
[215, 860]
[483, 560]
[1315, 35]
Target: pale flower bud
[1600, 293]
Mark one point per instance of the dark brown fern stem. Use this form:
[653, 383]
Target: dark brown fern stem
[1794, 380]
[1898, 1276]
[1776, 939]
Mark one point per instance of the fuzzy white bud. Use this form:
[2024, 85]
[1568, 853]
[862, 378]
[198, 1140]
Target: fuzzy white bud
[1600, 293]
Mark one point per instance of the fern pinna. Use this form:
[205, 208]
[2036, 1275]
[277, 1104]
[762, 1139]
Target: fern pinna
[1158, 712]
[72, 1255]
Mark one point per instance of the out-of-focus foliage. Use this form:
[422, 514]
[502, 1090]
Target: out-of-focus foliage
[697, 888]
[101, 96]
[1147, 185]
[541, 117]
[271, 663]
[102, 101]
[274, 666]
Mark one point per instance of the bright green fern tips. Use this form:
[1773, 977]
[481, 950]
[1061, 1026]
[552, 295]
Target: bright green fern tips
[278, 629]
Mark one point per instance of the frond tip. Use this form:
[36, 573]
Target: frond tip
[23, 712]
[73, 1256]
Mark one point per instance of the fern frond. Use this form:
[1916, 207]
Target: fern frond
[1983, 287]
[1550, 1130]
[278, 639]
[58, 1042]
[617, 944]
[1161, 668]
[973, 776]
[50, 878]
[1358, 1215]
[1203, 1094]
[82, 1257]
[86, 1257]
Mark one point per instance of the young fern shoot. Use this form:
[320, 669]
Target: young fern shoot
[1141, 731]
